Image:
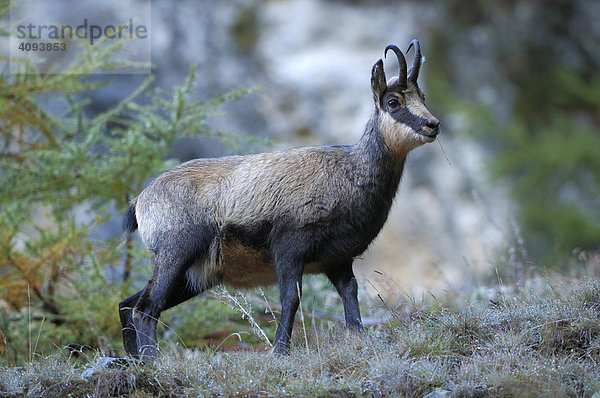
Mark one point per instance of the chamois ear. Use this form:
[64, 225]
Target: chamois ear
[378, 81]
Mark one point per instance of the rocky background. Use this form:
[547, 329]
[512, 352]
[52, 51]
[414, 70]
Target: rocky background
[309, 62]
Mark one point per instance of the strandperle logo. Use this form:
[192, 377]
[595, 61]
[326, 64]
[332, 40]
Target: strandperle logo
[53, 34]
[83, 31]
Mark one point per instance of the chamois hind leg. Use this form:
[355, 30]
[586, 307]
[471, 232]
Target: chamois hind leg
[182, 291]
[128, 329]
[162, 291]
[344, 281]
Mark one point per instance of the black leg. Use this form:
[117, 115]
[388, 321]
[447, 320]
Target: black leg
[181, 292]
[162, 291]
[344, 281]
[128, 329]
[289, 278]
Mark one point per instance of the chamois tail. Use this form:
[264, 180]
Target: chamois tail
[129, 223]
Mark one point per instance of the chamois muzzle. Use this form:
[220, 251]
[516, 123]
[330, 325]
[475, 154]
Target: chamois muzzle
[431, 129]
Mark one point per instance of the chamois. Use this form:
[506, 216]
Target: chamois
[267, 218]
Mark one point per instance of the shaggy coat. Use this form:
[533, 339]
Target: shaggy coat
[269, 218]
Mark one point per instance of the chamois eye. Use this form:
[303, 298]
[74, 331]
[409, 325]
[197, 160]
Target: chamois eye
[393, 103]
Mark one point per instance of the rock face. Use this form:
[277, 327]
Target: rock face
[312, 61]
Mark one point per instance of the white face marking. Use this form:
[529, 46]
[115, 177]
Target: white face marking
[416, 107]
[399, 137]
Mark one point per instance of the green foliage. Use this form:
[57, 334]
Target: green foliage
[541, 123]
[61, 176]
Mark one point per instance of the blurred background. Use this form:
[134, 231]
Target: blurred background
[515, 84]
[511, 189]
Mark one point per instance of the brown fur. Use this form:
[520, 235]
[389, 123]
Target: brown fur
[246, 267]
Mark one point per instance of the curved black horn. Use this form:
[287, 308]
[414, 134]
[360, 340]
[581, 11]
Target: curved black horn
[416, 66]
[401, 63]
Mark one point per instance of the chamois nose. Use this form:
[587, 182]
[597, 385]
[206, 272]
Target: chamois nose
[433, 124]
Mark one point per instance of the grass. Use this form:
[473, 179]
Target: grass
[531, 343]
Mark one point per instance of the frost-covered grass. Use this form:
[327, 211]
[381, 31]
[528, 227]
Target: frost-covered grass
[532, 343]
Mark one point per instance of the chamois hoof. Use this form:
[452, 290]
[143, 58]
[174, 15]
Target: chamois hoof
[103, 363]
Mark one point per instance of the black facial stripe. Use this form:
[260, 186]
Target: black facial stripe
[404, 116]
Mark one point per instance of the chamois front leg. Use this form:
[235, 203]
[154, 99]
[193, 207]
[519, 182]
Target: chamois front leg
[289, 278]
[344, 281]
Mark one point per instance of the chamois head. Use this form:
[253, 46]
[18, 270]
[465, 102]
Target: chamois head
[404, 120]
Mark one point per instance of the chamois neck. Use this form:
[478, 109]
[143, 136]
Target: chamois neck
[377, 173]
[376, 155]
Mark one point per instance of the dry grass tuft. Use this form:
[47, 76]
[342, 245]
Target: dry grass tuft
[535, 344]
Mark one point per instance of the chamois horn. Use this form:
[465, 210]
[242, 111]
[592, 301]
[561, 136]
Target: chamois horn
[416, 66]
[401, 63]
